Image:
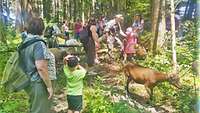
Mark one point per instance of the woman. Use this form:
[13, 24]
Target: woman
[92, 44]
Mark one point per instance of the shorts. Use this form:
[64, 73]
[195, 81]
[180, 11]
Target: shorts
[75, 102]
[66, 33]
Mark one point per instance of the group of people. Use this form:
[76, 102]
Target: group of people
[108, 29]
[40, 62]
[128, 45]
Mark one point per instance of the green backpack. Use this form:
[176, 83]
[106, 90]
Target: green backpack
[14, 76]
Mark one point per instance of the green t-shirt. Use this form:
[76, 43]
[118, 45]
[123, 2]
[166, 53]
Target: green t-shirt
[74, 80]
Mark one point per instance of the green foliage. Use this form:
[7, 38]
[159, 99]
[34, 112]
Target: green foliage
[183, 100]
[97, 102]
[14, 103]
[10, 103]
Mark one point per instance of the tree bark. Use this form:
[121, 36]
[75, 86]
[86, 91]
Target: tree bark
[162, 25]
[64, 9]
[82, 11]
[74, 14]
[173, 36]
[93, 6]
[155, 23]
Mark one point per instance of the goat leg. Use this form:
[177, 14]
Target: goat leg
[127, 84]
[151, 95]
[148, 91]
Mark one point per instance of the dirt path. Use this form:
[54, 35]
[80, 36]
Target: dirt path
[111, 75]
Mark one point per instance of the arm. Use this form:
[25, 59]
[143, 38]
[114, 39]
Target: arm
[94, 34]
[42, 67]
[41, 64]
[82, 72]
[122, 33]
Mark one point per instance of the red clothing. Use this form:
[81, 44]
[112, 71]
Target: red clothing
[78, 27]
[129, 43]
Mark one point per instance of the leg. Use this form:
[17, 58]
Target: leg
[38, 95]
[151, 96]
[127, 84]
[149, 91]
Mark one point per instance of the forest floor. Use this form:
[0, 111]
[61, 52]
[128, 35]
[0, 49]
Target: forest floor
[114, 81]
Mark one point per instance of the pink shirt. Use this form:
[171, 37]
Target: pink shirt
[78, 27]
[130, 42]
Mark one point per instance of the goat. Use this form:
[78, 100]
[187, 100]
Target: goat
[148, 77]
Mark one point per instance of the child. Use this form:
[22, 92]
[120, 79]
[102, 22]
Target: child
[129, 43]
[75, 74]
[65, 29]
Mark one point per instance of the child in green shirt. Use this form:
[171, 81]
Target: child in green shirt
[75, 74]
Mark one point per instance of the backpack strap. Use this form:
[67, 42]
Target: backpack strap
[28, 43]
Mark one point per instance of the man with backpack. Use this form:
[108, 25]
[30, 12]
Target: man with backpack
[40, 89]
[28, 69]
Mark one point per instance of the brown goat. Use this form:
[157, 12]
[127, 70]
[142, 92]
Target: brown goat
[148, 77]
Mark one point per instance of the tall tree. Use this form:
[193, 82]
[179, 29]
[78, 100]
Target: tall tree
[82, 11]
[155, 22]
[24, 13]
[162, 24]
[64, 9]
[173, 35]
[2, 26]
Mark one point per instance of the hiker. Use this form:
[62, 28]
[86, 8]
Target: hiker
[110, 33]
[78, 27]
[75, 74]
[92, 44]
[40, 90]
[65, 30]
[51, 67]
[130, 42]
[109, 26]
[138, 23]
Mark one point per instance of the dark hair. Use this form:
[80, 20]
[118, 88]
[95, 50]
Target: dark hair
[92, 21]
[72, 62]
[36, 26]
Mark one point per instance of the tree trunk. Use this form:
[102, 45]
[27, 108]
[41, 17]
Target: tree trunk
[93, 6]
[23, 13]
[64, 9]
[74, 14]
[82, 11]
[2, 24]
[155, 23]
[173, 36]
[162, 25]
[1, 10]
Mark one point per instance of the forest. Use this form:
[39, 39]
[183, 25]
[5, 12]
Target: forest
[167, 43]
